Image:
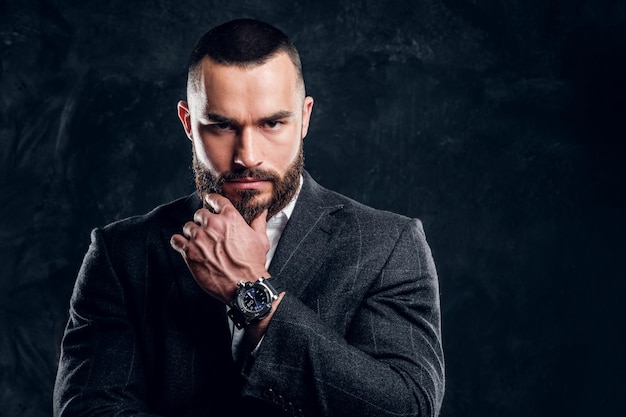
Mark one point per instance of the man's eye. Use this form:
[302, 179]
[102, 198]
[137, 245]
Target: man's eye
[221, 126]
[273, 124]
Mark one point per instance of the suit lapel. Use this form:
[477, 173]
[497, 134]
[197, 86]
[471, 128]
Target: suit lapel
[203, 316]
[306, 240]
[183, 281]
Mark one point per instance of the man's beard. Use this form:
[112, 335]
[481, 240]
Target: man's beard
[283, 188]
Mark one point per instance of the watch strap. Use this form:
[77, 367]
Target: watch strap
[276, 284]
[237, 317]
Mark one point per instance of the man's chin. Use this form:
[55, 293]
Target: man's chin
[249, 203]
[247, 197]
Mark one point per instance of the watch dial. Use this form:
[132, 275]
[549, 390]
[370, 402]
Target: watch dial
[254, 300]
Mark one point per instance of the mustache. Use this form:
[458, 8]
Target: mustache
[260, 174]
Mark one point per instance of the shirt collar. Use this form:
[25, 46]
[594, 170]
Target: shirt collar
[277, 223]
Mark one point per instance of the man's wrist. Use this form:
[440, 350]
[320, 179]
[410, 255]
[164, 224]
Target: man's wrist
[256, 330]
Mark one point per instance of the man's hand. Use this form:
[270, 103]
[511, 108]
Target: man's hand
[220, 249]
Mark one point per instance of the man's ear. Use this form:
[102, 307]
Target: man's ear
[185, 117]
[307, 108]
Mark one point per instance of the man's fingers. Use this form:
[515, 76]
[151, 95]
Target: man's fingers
[189, 229]
[217, 202]
[201, 217]
[179, 243]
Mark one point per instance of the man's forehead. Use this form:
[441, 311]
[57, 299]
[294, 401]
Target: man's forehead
[278, 63]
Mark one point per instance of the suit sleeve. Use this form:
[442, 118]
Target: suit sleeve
[99, 370]
[388, 363]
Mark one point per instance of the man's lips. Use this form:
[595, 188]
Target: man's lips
[245, 183]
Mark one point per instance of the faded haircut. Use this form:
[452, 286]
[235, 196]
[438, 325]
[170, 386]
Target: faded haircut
[245, 43]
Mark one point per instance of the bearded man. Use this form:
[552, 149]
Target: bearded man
[262, 293]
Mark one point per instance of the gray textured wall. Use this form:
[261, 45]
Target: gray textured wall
[499, 123]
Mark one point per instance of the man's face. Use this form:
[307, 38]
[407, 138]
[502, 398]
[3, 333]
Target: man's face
[247, 126]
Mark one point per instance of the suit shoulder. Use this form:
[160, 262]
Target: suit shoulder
[174, 213]
[371, 220]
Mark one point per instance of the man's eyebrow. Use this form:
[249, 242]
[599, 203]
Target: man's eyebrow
[217, 118]
[283, 114]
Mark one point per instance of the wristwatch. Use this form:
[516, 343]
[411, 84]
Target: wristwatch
[253, 302]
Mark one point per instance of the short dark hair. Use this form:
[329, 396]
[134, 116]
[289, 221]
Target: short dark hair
[245, 43]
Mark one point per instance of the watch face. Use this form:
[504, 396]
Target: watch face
[255, 299]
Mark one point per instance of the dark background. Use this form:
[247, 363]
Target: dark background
[501, 124]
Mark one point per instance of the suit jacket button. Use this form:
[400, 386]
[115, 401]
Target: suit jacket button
[298, 413]
[279, 400]
[288, 408]
[270, 394]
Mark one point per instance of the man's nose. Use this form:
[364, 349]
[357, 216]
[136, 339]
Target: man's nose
[247, 153]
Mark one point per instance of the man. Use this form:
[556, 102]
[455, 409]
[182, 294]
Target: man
[263, 293]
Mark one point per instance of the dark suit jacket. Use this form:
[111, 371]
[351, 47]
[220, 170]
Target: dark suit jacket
[357, 334]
